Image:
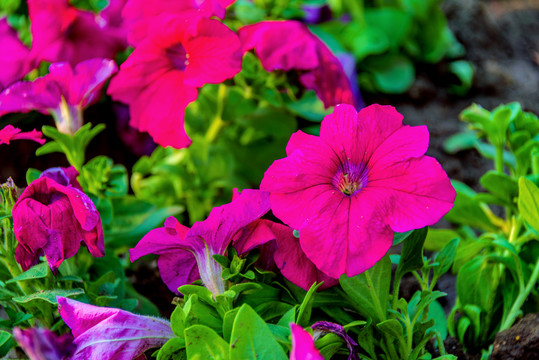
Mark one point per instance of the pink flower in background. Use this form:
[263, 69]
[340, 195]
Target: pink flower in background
[160, 78]
[63, 93]
[110, 333]
[349, 189]
[289, 45]
[52, 217]
[9, 133]
[186, 255]
[139, 14]
[61, 32]
[43, 344]
[303, 345]
[15, 60]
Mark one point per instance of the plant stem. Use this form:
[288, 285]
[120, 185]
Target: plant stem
[498, 162]
[515, 309]
[217, 123]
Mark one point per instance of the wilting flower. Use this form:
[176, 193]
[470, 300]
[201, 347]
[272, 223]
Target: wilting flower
[139, 14]
[329, 327]
[43, 344]
[303, 345]
[186, 254]
[61, 33]
[160, 78]
[9, 132]
[349, 189]
[52, 217]
[289, 45]
[63, 93]
[110, 333]
[15, 60]
[279, 247]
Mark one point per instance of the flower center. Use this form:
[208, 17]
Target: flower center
[350, 178]
[178, 56]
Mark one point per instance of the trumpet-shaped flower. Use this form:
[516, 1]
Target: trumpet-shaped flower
[139, 14]
[110, 333]
[349, 189]
[15, 60]
[9, 133]
[61, 33]
[289, 45]
[160, 78]
[52, 217]
[63, 93]
[186, 254]
[303, 345]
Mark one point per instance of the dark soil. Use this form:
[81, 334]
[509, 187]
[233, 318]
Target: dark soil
[519, 342]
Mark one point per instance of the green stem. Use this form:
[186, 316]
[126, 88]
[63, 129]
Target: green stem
[396, 286]
[356, 8]
[515, 309]
[498, 163]
[217, 123]
[378, 307]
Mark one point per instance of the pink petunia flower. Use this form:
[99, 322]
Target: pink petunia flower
[160, 78]
[349, 189]
[52, 217]
[63, 93]
[186, 255]
[61, 33]
[110, 333]
[9, 132]
[15, 60]
[43, 344]
[289, 45]
[303, 345]
[139, 14]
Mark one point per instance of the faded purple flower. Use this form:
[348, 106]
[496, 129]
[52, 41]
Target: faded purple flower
[329, 327]
[43, 344]
[108, 333]
[63, 93]
[52, 217]
[186, 254]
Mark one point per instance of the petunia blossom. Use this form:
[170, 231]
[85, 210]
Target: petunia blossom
[43, 344]
[9, 133]
[160, 78]
[303, 345]
[279, 247]
[139, 14]
[52, 217]
[109, 333]
[63, 93]
[289, 45]
[15, 60]
[186, 255]
[348, 190]
[63, 33]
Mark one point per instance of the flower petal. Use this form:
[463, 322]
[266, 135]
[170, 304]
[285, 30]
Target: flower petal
[303, 345]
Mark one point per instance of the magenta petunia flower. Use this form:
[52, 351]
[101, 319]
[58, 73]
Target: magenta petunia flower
[160, 78]
[52, 217]
[303, 345]
[61, 33]
[279, 247]
[9, 133]
[139, 14]
[43, 344]
[110, 333]
[186, 255]
[63, 93]
[349, 189]
[15, 60]
[289, 45]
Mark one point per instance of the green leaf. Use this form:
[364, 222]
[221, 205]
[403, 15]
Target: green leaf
[38, 271]
[202, 341]
[252, 339]
[171, 350]
[306, 307]
[391, 327]
[438, 238]
[400, 237]
[228, 323]
[477, 283]
[369, 291]
[500, 185]
[6, 343]
[390, 73]
[32, 174]
[445, 258]
[462, 141]
[528, 201]
[309, 107]
[464, 71]
[412, 252]
[48, 295]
